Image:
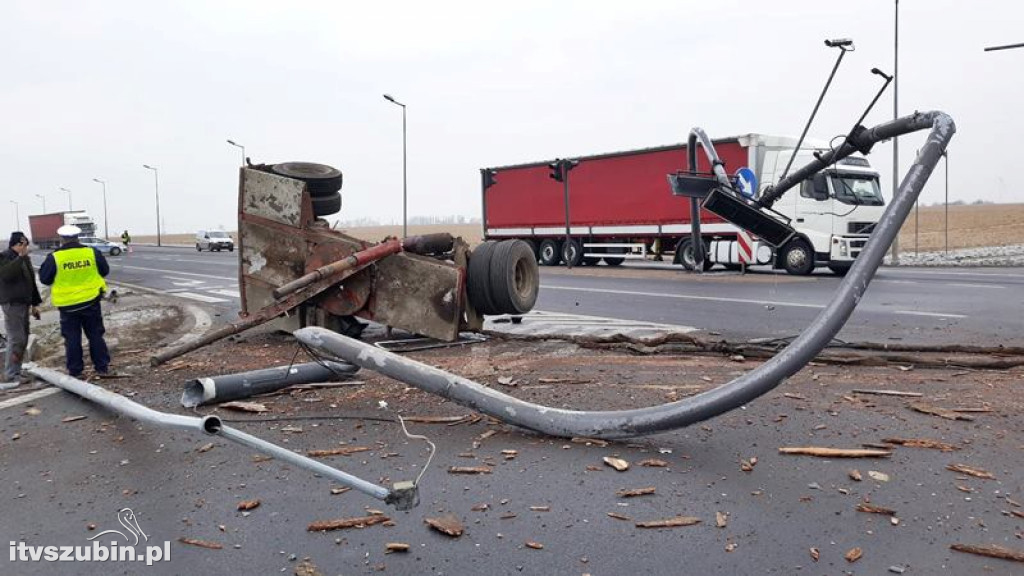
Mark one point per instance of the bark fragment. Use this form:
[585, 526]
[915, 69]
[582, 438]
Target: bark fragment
[391, 547]
[653, 463]
[835, 452]
[940, 412]
[201, 543]
[256, 407]
[670, 522]
[872, 509]
[469, 470]
[721, 519]
[853, 554]
[631, 492]
[342, 451]
[971, 471]
[990, 550]
[617, 463]
[534, 545]
[922, 443]
[342, 523]
[888, 393]
[448, 525]
[248, 504]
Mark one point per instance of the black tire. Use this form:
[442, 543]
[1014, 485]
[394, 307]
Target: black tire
[326, 205]
[533, 247]
[613, 261]
[321, 180]
[839, 269]
[514, 277]
[198, 248]
[115, 251]
[684, 252]
[231, 248]
[215, 249]
[572, 252]
[798, 257]
[550, 252]
[478, 278]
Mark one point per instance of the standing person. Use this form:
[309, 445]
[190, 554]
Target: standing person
[19, 297]
[76, 274]
[126, 239]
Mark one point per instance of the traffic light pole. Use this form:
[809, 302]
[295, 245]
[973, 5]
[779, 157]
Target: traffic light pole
[562, 167]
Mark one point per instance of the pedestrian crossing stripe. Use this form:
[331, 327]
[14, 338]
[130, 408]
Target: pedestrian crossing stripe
[541, 323]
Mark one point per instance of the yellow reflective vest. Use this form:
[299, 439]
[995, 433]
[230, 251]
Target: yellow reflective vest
[78, 277]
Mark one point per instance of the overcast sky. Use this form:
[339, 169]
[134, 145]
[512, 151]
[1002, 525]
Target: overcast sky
[97, 89]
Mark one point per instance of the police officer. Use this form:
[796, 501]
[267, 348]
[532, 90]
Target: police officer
[75, 274]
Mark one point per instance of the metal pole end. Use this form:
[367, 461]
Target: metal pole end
[403, 496]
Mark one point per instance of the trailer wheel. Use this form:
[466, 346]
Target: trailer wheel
[478, 278]
[572, 252]
[321, 180]
[684, 251]
[326, 205]
[798, 257]
[613, 261]
[550, 252]
[514, 277]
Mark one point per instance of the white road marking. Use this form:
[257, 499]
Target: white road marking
[201, 324]
[231, 293]
[934, 314]
[540, 323]
[184, 282]
[199, 297]
[180, 273]
[944, 273]
[29, 397]
[977, 286]
[685, 297]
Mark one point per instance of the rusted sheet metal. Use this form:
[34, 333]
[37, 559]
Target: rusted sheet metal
[351, 261]
[348, 297]
[272, 197]
[419, 294]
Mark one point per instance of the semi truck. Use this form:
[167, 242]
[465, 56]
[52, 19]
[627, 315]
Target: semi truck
[43, 227]
[621, 206]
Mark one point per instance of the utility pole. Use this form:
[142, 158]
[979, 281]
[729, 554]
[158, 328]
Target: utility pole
[560, 173]
[895, 253]
[405, 171]
[43, 198]
[156, 182]
[106, 226]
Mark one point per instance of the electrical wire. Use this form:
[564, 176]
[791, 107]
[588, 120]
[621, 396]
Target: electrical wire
[433, 449]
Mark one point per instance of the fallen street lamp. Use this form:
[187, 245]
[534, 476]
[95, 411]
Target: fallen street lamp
[106, 229]
[156, 183]
[405, 173]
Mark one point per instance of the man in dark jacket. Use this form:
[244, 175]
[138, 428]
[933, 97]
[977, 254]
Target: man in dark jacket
[76, 274]
[19, 297]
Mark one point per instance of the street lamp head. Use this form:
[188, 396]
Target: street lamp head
[389, 98]
[98, 181]
[65, 190]
[843, 43]
[232, 142]
[148, 167]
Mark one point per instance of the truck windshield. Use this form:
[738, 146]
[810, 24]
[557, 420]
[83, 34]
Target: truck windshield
[857, 189]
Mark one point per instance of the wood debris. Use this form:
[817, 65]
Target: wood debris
[205, 447]
[730, 546]
[534, 545]
[67, 419]
[940, 412]
[921, 443]
[448, 525]
[748, 465]
[201, 543]
[970, 471]
[509, 454]
[854, 475]
[990, 550]
[653, 463]
[482, 507]
[307, 568]
[391, 547]
[878, 476]
[835, 452]
[631, 492]
[815, 554]
[872, 509]
[794, 396]
[618, 516]
[248, 504]
[256, 407]
[257, 458]
[721, 519]
[888, 393]
[590, 441]
[544, 380]
[540, 508]
[670, 522]
[33, 411]
[1017, 513]
[617, 463]
[469, 470]
[341, 451]
[339, 490]
[853, 554]
[342, 523]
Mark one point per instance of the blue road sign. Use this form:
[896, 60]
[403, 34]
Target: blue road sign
[746, 180]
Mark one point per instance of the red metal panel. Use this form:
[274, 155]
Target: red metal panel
[43, 227]
[620, 190]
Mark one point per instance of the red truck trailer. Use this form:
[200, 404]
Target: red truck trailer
[620, 203]
[43, 227]
[621, 206]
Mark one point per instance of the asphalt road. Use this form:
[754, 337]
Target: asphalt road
[983, 306]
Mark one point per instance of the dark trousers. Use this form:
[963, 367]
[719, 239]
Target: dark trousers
[90, 321]
[16, 325]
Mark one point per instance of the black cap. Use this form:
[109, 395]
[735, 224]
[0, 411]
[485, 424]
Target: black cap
[16, 238]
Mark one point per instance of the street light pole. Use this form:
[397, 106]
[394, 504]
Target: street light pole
[43, 198]
[895, 114]
[69, 199]
[156, 183]
[945, 155]
[405, 171]
[235, 144]
[106, 221]
[17, 216]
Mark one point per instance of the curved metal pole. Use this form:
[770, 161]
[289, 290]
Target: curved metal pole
[698, 135]
[639, 421]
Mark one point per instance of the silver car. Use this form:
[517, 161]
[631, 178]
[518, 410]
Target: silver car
[214, 241]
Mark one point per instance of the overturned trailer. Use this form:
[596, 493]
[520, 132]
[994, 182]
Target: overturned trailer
[296, 270]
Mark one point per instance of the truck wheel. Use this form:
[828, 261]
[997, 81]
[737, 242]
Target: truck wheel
[839, 269]
[326, 205]
[613, 261]
[550, 252]
[478, 278]
[514, 277]
[798, 257]
[321, 180]
[684, 250]
[572, 253]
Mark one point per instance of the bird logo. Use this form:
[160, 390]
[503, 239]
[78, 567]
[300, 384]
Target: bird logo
[126, 518]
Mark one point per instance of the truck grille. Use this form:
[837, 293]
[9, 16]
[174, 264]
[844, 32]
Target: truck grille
[860, 227]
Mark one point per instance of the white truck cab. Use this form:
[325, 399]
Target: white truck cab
[833, 214]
